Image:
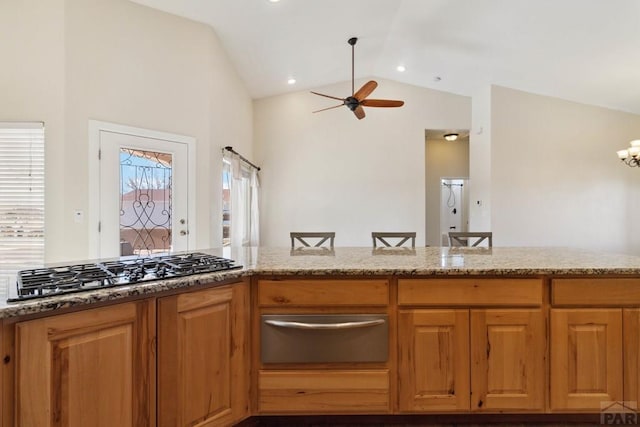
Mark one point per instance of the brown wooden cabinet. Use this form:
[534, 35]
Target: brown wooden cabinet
[325, 390]
[507, 353]
[91, 368]
[433, 370]
[453, 358]
[454, 345]
[631, 354]
[321, 386]
[479, 360]
[97, 367]
[594, 342]
[203, 371]
[586, 358]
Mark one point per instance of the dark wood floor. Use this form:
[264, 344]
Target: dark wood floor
[541, 420]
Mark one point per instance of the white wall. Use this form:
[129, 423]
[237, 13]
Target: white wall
[331, 172]
[556, 180]
[117, 61]
[480, 161]
[32, 89]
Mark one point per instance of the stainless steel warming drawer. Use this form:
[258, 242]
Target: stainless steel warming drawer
[324, 338]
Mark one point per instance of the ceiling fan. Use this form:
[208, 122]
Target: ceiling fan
[358, 99]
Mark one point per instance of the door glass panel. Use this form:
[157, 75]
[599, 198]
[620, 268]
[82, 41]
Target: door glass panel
[145, 201]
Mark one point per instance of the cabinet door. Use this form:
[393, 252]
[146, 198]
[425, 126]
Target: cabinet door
[91, 368]
[433, 360]
[586, 358]
[202, 360]
[631, 346]
[508, 353]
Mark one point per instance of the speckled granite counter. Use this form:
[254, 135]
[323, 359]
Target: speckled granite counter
[430, 261]
[441, 261]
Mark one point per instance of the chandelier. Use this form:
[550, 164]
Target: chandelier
[631, 156]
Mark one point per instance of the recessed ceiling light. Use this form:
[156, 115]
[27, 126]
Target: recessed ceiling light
[401, 68]
[290, 81]
[274, 1]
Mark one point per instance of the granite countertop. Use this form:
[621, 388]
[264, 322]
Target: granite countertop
[437, 261]
[429, 261]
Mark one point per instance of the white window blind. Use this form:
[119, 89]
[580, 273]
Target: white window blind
[21, 197]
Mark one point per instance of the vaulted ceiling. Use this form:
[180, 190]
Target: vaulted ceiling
[582, 50]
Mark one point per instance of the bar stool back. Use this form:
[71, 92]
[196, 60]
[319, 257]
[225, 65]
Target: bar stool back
[465, 238]
[383, 237]
[301, 238]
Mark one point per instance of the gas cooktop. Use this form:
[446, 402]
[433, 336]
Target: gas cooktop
[45, 282]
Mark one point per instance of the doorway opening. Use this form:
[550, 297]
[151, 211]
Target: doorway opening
[445, 159]
[454, 203]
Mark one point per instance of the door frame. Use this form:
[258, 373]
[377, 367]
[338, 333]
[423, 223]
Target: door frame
[96, 127]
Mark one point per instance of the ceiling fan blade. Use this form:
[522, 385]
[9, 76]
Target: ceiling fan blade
[328, 108]
[381, 103]
[365, 90]
[359, 112]
[328, 96]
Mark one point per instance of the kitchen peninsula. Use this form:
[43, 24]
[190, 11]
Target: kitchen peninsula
[504, 332]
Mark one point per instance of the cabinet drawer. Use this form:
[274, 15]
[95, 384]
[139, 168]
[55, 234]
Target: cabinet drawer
[470, 292]
[285, 293]
[587, 292]
[322, 391]
[324, 338]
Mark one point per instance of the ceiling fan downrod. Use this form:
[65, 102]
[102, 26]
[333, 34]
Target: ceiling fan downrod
[352, 41]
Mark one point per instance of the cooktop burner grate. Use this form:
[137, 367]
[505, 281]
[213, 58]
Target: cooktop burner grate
[44, 282]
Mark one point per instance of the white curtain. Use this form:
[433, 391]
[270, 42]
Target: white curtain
[254, 222]
[244, 194]
[238, 211]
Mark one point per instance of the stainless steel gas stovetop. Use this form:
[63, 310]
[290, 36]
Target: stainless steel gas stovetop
[45, 282]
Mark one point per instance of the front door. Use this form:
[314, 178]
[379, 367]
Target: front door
[143, 195]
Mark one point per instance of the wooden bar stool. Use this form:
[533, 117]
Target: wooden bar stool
[403, 236]
[300, 237]
[465, 238]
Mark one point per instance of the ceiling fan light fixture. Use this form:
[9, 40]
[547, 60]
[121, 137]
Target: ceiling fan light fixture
[358, 99]
[451, 136]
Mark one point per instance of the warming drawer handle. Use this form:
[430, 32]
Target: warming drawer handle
[341, 325]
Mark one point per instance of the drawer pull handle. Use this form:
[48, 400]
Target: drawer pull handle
[341, 325]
